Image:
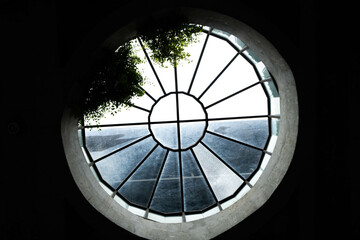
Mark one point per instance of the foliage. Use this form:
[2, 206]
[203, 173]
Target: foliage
[167, 41]
[114, 81]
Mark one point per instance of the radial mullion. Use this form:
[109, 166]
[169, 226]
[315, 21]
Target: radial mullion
[236, 93]
[198, 63]
[204, 175]
[218, 76]
[148, 94]
[151, 65]
[157, 179]
[122, 148]
[226, 164]
[141, 108]
[136, 168]
[179, 143]
[237, 141]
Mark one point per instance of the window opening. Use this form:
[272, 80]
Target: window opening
[197, 140]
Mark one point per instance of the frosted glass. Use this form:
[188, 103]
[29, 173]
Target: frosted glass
[223, 181]
[109, 139]
[236, 41]
[275, 124]
[250, 131]
[115, 168]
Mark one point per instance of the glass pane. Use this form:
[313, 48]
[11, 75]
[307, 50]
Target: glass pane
[166, 74]
[115, 168]
[237, 42]
[275, 106]
[165, 109]
[251, 102]
[108, 139]
[217, 55]
[124, 115]
[223, 181]
[166, 134]
[151, 84]
[185, 70]
[251, 56]
[144, 101]
[190, 108]
[251, 131]
[197, 195]
[241, 158]
[190, 133]
[167, 197]
[140, 185]
[239, 75]
[264, 73]
[275, 124]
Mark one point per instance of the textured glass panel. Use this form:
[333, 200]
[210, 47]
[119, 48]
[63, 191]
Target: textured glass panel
[275, 124]
[185, 70]
[217, 55]
[190, 133]
[115, 168]
[251, 131]
[238, 43]
[140, 185]
[264, 73]
[166, 134]
[239, 75]
[108, 139]
[251, 102]
[251, 56]
[197, 195]
[275, 106]
[223, 181]
[241, 158]
[271, 89]
[167, 197]
[81, 139]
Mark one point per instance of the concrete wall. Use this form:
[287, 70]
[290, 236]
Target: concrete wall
[39, 198]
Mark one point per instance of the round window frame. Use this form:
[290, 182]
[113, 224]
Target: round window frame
[271, 177]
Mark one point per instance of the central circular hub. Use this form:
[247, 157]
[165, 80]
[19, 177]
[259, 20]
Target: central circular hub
[177, 121]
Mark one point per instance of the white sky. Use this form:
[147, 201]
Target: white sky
[217, 55]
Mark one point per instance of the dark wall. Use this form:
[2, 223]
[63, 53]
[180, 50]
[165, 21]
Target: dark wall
[318, 197]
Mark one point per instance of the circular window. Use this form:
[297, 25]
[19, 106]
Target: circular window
[202, 142]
